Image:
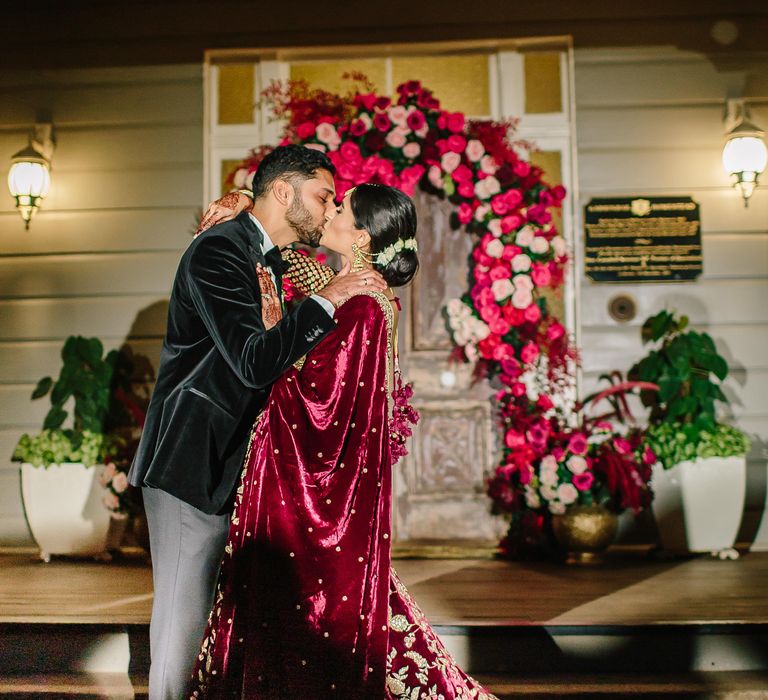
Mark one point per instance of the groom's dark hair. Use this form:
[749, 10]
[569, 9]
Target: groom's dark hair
[292, 163]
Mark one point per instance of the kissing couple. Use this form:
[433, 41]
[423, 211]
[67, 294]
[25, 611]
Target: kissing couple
[266, 457]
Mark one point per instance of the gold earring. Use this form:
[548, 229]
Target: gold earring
[361, 259]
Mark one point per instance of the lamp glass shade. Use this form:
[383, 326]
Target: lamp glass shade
[745, 154]
[29, 179]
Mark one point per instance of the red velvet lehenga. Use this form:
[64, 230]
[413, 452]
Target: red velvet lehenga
[307, 605]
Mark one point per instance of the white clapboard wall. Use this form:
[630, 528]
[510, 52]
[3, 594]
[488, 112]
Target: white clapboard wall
[650, 122]
[99, 257]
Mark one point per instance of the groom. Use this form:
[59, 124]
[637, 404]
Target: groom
[217, 365]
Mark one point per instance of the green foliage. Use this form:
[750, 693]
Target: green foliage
[87, 382]
[57, 446]
[673, 444]
[689, 372]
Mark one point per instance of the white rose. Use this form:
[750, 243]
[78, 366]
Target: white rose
[450, 161]
[492, 185]
[524, 237]
[578, 465]
[327, 133]
[532, 499]
[481, 191]
[556, 508]
[539, 245]
[522, 299]
[567, 493]
[494, 226]
[548, 493]
[521, 263]
[548, 463]
[495, 248]
[549, 477]
[481, 211]
[397, 114]
[502, 289]
[488, 165]
[480, 329]
[523, 281]
[559, 246]
[474, 150]
[120, 482]
[471, 352]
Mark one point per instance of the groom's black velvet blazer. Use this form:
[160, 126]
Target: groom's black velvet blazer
[216, 367]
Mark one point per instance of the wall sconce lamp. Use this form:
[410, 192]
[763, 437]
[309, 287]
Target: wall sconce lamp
[29, 178]
[744, 154]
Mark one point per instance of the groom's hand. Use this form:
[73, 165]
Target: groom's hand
[224, 209]
[346, 284]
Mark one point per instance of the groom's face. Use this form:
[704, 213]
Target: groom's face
[312, 207]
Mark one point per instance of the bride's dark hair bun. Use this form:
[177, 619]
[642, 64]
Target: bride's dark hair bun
[390, 218]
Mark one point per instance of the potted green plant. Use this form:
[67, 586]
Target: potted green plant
[63, 471]
[700, 478]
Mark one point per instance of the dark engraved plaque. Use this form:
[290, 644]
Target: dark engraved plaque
[642, 239]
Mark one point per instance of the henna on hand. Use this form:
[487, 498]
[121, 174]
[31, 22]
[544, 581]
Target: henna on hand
[271, 310]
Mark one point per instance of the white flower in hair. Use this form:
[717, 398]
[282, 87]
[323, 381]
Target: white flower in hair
[387, 255]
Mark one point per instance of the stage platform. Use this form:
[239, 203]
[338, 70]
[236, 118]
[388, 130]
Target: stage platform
[632, 626]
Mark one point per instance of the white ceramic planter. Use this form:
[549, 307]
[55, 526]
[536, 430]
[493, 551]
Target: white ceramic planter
[698, 505]
[65, 513]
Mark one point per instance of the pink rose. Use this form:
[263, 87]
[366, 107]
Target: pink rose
[510, 223]
[529, 353]
[500, 327]
[327, 134]
[514, 439]
[583, 482]
[500, 272]
[541, 275]
[120, 482]
[532, 313]
[499, 205]
[556, 331]
[475, 150]
[411, 150]
[450, 161]
[514, 198]
[522, 169]
[518, 389]
[435, 176]
[622, 446]
[395, 139]
[398, 114]
[485, 297]
[577, 445]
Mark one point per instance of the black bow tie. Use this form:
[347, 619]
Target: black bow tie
[275, 261]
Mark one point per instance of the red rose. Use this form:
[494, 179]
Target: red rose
[521, 168]
[357, 127]
[374, 141]
[518, 389]
[513, 316]
[455, 122]
[383, 102]
[499, 205]
[305, 130]
[416, 120]
[544, 402]
[465, 189]
[381, 122]
[510, 223]
[464, 213]
[457, 143]
[532, 313]
[350, 152]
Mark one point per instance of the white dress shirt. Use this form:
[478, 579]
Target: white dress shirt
[267, 245]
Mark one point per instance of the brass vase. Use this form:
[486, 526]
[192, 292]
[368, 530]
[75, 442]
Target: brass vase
[585, 532]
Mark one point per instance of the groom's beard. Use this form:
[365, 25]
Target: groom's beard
[300, 220]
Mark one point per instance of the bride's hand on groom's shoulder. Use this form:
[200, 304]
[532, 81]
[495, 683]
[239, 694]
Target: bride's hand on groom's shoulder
[346, 284]
[224, 209]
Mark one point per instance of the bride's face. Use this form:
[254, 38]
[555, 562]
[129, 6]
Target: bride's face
[340, 233]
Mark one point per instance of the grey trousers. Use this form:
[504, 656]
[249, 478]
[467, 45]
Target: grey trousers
[187, 546]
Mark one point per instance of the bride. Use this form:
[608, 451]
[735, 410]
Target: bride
[307, 605]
